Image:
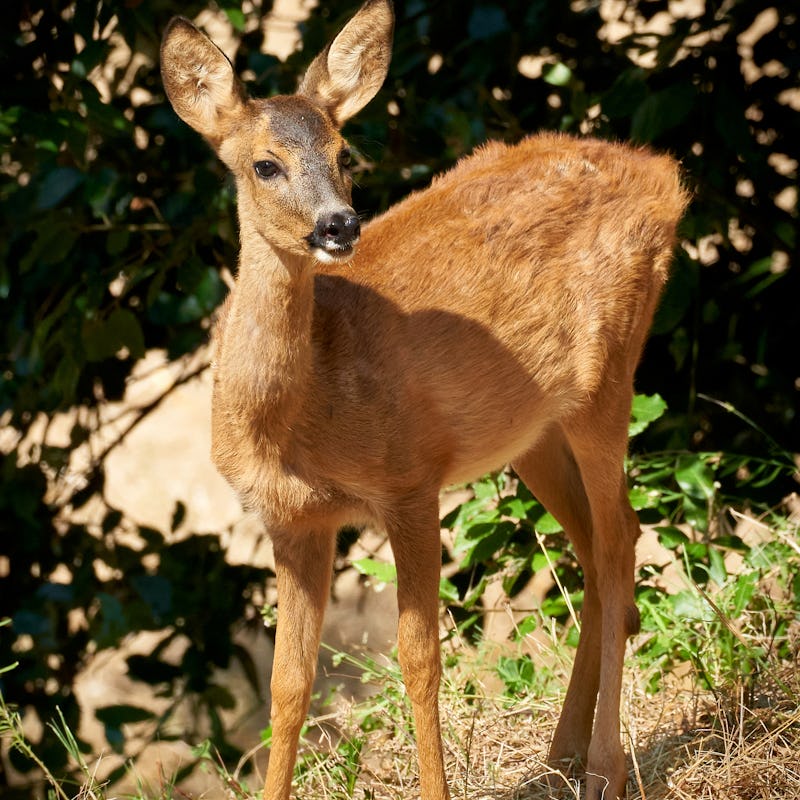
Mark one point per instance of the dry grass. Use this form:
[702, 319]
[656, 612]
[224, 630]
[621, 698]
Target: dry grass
[683, 744]
[742, 749]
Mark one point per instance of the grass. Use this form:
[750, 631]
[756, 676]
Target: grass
[711, 690]
[734, 743]
[685, 742]
[711, 705]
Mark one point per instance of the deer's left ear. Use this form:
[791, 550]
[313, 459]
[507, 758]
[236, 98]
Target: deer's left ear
[347, 74]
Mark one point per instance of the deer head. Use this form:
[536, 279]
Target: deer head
[290, 161]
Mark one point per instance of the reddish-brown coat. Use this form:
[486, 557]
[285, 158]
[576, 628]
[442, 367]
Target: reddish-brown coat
[495, 317]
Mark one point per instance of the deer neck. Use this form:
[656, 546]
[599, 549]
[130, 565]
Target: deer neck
[264, 353]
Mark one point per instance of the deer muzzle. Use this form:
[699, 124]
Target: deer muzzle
[335, 234]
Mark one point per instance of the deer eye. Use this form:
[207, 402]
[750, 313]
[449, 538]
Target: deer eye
[266, 169]
[345, 158]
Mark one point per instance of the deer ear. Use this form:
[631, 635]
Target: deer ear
[347, 74]
[199, 80]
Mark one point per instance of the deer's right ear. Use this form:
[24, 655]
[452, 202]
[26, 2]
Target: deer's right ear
[199, 80]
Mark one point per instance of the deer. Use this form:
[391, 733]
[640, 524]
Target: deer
[496, 317]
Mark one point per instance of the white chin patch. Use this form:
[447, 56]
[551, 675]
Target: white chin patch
[332, 254]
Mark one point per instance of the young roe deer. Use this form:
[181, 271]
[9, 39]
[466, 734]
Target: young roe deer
[496, 317]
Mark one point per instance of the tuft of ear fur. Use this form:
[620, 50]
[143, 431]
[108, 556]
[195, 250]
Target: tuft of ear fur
[199, 80]
[347, 74]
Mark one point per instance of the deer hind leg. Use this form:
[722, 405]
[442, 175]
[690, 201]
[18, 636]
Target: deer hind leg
[599, 447]
[303, 565]
[550, 471]
[416, 544]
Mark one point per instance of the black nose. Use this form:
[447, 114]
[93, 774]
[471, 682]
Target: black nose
[337, 230]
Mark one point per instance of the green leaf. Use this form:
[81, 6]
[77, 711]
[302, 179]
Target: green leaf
[573, 636]
[492, 539]
[527, 626]
[204, 292]
[486, 488]
[516, 507]
[746, 584]
[57, 185]
[690, 605]
[695, 477]
[760, 556]
[117, 241]
[717, 569]
[448, 591]
[662, 111]
[645, 409]
[671, 537]
[547, 523]
[696, 552]
[236, 17]
[641, 497]
[626, 95]
[55, 238]
[210, 290]
[557, 74]
[542, 560]
[786, 231]
[695, 513]
[476, 593]
[382, 571]
[555, 606]
[516, 673]
[9, 119]
[474, 531]
[103, 339]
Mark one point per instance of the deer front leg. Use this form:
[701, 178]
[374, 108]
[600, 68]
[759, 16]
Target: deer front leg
[303, 565]
[418, 555]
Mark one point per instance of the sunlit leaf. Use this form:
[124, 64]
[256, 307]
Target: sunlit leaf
[557, 74]
[644, 410]
[695, 477]
[382, 571]
[547, 523]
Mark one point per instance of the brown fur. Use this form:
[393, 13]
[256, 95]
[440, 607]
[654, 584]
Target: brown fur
[495, 317]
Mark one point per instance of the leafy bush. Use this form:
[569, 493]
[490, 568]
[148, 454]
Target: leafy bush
[499, 536]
